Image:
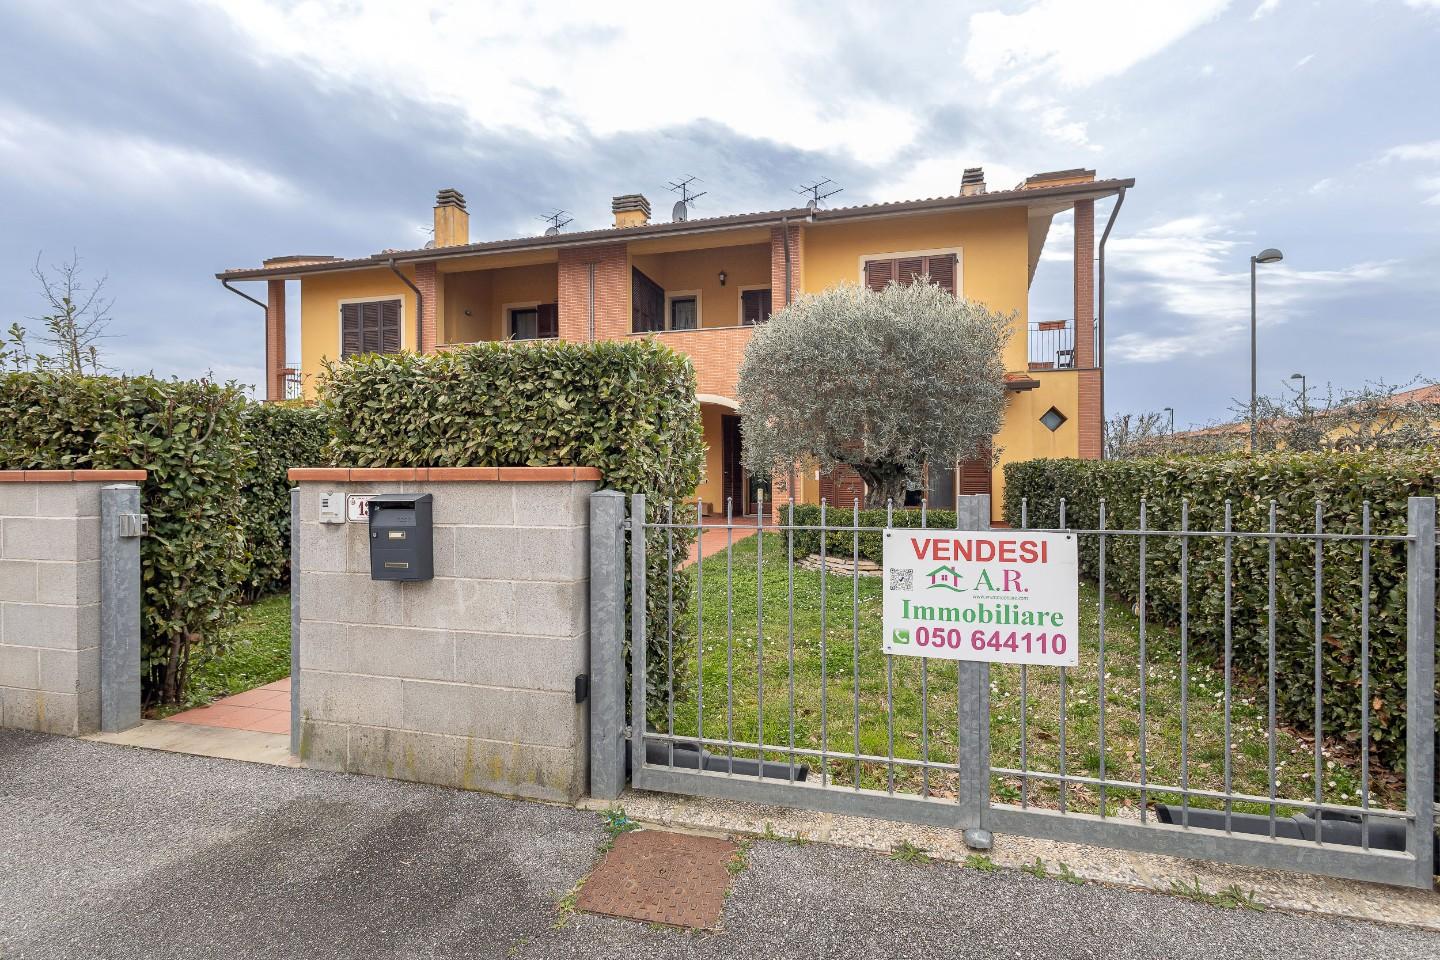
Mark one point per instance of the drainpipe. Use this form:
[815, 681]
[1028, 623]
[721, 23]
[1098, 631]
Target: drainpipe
[591, 306]
[785, 241]
[419, 305]
[266, 307]
[1100, 314]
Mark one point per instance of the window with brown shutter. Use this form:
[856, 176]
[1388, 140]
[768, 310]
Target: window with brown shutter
[647, 303]
[370, 326]
[940, 268]
[754, 306]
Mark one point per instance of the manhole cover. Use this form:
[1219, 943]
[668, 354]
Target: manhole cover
[660, 877]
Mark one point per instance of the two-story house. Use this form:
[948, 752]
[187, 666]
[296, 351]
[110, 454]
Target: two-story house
[701, 285]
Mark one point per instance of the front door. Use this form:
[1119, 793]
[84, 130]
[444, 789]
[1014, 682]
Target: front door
[734, 472]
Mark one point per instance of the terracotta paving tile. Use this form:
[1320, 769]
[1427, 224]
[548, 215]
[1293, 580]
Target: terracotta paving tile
[271, 700]
[278, 685]
[222, 715]
[258, 697]
[276, 722]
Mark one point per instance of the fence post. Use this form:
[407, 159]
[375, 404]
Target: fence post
[1420, 687]
[607, 644]
[639, 637]
[295, 622]
[973, 513]
[120, 532]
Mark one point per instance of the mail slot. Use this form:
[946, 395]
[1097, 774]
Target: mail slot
[401, 537]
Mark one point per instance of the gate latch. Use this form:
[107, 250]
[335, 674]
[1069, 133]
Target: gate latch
[134, 524]
[582, 688]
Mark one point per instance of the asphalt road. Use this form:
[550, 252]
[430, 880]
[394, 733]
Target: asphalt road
[111, 852]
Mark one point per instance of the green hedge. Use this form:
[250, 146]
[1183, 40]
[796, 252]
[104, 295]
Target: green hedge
[628, 408]
[841, 544]
[189, 436]
[1340, 482]
[280, 436]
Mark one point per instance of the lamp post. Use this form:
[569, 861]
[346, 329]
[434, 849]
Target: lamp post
[1171, 411]
[1268, 255]
[1304, 407]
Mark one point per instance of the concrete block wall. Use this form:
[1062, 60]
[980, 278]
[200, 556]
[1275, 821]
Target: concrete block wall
[466, 680]
[50, 598]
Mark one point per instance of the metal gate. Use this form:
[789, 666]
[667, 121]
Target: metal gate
[755, 684]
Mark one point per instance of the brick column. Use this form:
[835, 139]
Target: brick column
[426, 281]
[1085, 284]
[777, 264]
[611, 264]
[1089, 427]
[275, 341]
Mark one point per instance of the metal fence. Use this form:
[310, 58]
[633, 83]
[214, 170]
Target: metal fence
[763, 680]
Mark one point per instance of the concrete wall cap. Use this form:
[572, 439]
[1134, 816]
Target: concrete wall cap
[444, 474]
[69, 476]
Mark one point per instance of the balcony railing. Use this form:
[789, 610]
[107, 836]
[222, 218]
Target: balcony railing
[294, 387]
[1052, 345]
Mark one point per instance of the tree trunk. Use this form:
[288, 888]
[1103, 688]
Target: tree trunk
[884, 484]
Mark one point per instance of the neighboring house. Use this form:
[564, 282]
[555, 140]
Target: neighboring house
[701, 285]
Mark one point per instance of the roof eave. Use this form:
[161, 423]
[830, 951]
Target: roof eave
[1093, 190]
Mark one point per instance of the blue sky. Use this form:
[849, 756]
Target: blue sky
[166, 141]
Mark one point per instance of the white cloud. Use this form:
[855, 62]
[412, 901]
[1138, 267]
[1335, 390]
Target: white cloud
[34, 152]
[1265, 8]
[1303, 60]
[1197, 269]
[581, 68]
[1422, 153]
[1077, 44]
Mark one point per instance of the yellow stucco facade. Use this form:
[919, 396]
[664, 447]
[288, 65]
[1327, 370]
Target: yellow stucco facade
[996, 246]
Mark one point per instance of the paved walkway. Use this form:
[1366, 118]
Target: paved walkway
[713, 536]
[115, 852]
[264, 710]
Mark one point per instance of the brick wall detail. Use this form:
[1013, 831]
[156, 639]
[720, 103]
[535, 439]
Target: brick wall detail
[777, 264]
[426, 282]
[275, 340]
[612, 292]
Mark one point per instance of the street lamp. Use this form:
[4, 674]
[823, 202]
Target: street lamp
[1268, 255]
[1304, 408]
[1171, 411]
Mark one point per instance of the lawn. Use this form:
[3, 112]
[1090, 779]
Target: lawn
[253, 652]
[923, 698]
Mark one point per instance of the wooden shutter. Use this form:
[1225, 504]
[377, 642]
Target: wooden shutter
[389, 336]
[939, 268]
[350, 330]
[647, 303]
[547, 320]
[879, 274]
[942, 271]
[974, 475]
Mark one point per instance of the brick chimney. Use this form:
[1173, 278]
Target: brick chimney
[452, 222]
[631, 210]
[973, 182]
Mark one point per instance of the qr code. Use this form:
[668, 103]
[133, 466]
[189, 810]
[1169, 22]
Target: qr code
[902, 579]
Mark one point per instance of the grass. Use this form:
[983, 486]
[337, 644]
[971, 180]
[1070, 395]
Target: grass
[253, 652]
[843, 673]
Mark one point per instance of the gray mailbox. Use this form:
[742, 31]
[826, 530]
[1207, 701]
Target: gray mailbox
[402, 542]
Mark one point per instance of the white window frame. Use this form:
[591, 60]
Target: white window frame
[902, 254]
[672, 295]
[740, 300]
[340, 319]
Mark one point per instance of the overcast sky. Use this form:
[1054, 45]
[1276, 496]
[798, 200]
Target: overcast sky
[166, 141]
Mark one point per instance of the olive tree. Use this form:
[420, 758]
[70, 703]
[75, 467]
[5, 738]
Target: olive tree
[882, 382]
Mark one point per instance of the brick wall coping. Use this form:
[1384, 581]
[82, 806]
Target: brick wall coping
[70, 476]
[445, 474]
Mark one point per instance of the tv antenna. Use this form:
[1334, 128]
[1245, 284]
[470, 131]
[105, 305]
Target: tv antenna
[557, 221]
[818, 192]
[681, 210]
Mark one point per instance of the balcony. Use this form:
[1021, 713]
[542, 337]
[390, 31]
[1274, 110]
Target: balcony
[1052, 345]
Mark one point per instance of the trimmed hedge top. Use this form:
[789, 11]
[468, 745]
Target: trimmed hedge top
[1340, 482]
[628, 408]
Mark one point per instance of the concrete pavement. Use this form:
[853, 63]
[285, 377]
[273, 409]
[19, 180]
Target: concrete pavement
[109, 852]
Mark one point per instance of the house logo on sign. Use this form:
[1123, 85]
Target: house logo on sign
[945, 578]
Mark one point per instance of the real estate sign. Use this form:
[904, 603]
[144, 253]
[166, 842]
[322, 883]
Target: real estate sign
[995, 595]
